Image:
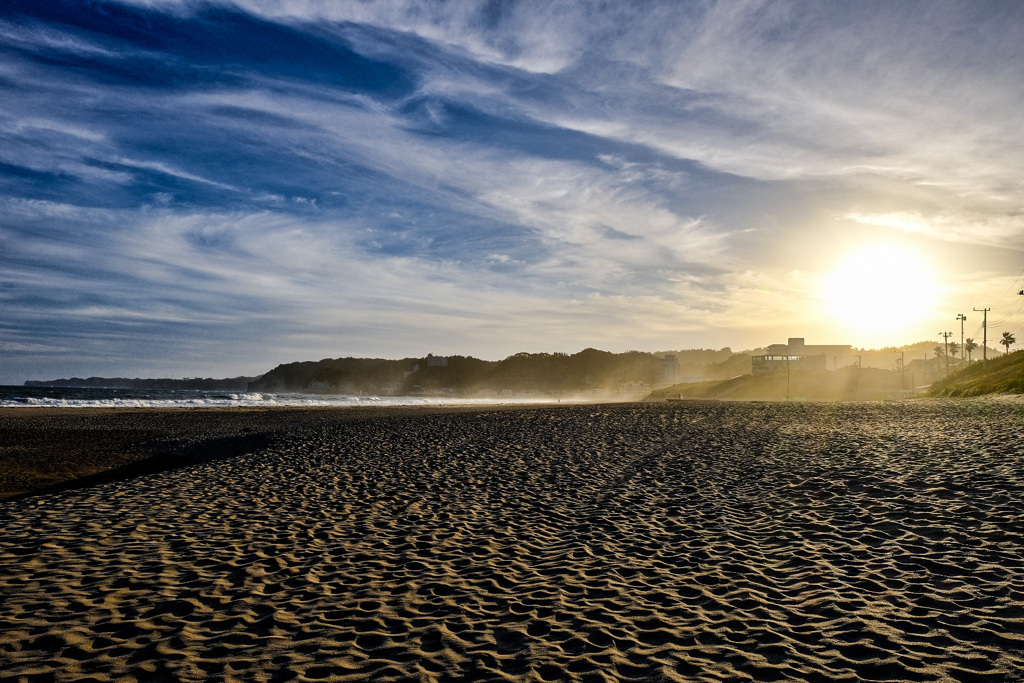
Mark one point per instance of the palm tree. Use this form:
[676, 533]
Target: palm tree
[1007, 340]
[954, 349]
[969, 347]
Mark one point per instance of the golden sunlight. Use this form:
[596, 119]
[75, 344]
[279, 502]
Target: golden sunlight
[880, 295]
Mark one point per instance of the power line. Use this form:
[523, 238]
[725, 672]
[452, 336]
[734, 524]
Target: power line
[1017, 282]
[1012, 309]
[1017, 329]
[1015, 286]
[1020, 306]
[1021, 293]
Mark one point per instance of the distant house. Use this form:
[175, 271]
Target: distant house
[436, 361]
[795, 355]
[922, 372]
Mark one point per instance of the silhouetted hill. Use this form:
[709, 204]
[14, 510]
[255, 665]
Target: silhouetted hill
[552, 374]
[335, 375]
[1002, 374]
[191, 384]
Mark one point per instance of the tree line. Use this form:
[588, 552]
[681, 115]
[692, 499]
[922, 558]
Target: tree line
[545, 373]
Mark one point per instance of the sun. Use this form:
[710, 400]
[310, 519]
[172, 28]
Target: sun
[879, 294]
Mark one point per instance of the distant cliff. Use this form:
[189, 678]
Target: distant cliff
[193, 384]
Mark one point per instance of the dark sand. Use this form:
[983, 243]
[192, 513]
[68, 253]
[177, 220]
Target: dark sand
[49, 449]
[685, 541]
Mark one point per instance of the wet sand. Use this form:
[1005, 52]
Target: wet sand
[49, 449]
[680, 542]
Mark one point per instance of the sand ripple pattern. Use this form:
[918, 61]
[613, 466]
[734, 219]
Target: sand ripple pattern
[669, 542]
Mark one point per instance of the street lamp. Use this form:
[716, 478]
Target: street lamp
[961, 317]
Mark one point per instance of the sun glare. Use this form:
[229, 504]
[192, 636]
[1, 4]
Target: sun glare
[879, 295]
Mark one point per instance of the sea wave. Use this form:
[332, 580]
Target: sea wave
[18, 397]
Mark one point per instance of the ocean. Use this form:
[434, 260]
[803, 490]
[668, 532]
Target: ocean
[65, 397]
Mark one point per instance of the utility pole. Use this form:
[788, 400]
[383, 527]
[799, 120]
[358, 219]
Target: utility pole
[984, 332]
[961, 317]
[903, 373]
[787, 376]
[945, 343]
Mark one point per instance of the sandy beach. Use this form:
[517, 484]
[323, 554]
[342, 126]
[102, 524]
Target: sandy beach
[691, 541]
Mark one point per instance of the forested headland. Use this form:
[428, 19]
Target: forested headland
[547, 374]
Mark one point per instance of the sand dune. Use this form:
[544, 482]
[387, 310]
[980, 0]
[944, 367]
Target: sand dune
[676, 542]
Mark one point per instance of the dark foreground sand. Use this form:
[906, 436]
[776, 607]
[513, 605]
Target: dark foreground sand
[686, 541]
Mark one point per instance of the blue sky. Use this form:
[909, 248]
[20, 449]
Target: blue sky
[213, 188]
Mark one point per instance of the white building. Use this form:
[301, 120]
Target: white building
[797, 355]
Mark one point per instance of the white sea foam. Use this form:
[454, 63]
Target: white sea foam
[249, 399]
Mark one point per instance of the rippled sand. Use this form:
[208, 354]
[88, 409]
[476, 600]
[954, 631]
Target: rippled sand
[677, 542]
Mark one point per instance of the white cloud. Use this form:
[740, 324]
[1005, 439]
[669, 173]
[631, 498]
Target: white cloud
[61, 127]
[599, 233]
[167, 169]
[40, 38]
[529, 36]
[580, 210]
[986, 229]
[34, 348]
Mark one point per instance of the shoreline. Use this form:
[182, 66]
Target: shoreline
[45, 449]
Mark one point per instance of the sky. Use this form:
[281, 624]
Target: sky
[214, 188]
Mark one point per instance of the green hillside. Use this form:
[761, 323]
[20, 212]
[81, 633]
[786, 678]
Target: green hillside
[1000, 375]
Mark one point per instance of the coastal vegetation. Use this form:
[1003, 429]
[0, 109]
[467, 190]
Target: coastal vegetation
[1003, 374]
[548, 374]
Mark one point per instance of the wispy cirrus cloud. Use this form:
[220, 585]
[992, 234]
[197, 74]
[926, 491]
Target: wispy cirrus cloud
[963, 228]
[314, 178]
